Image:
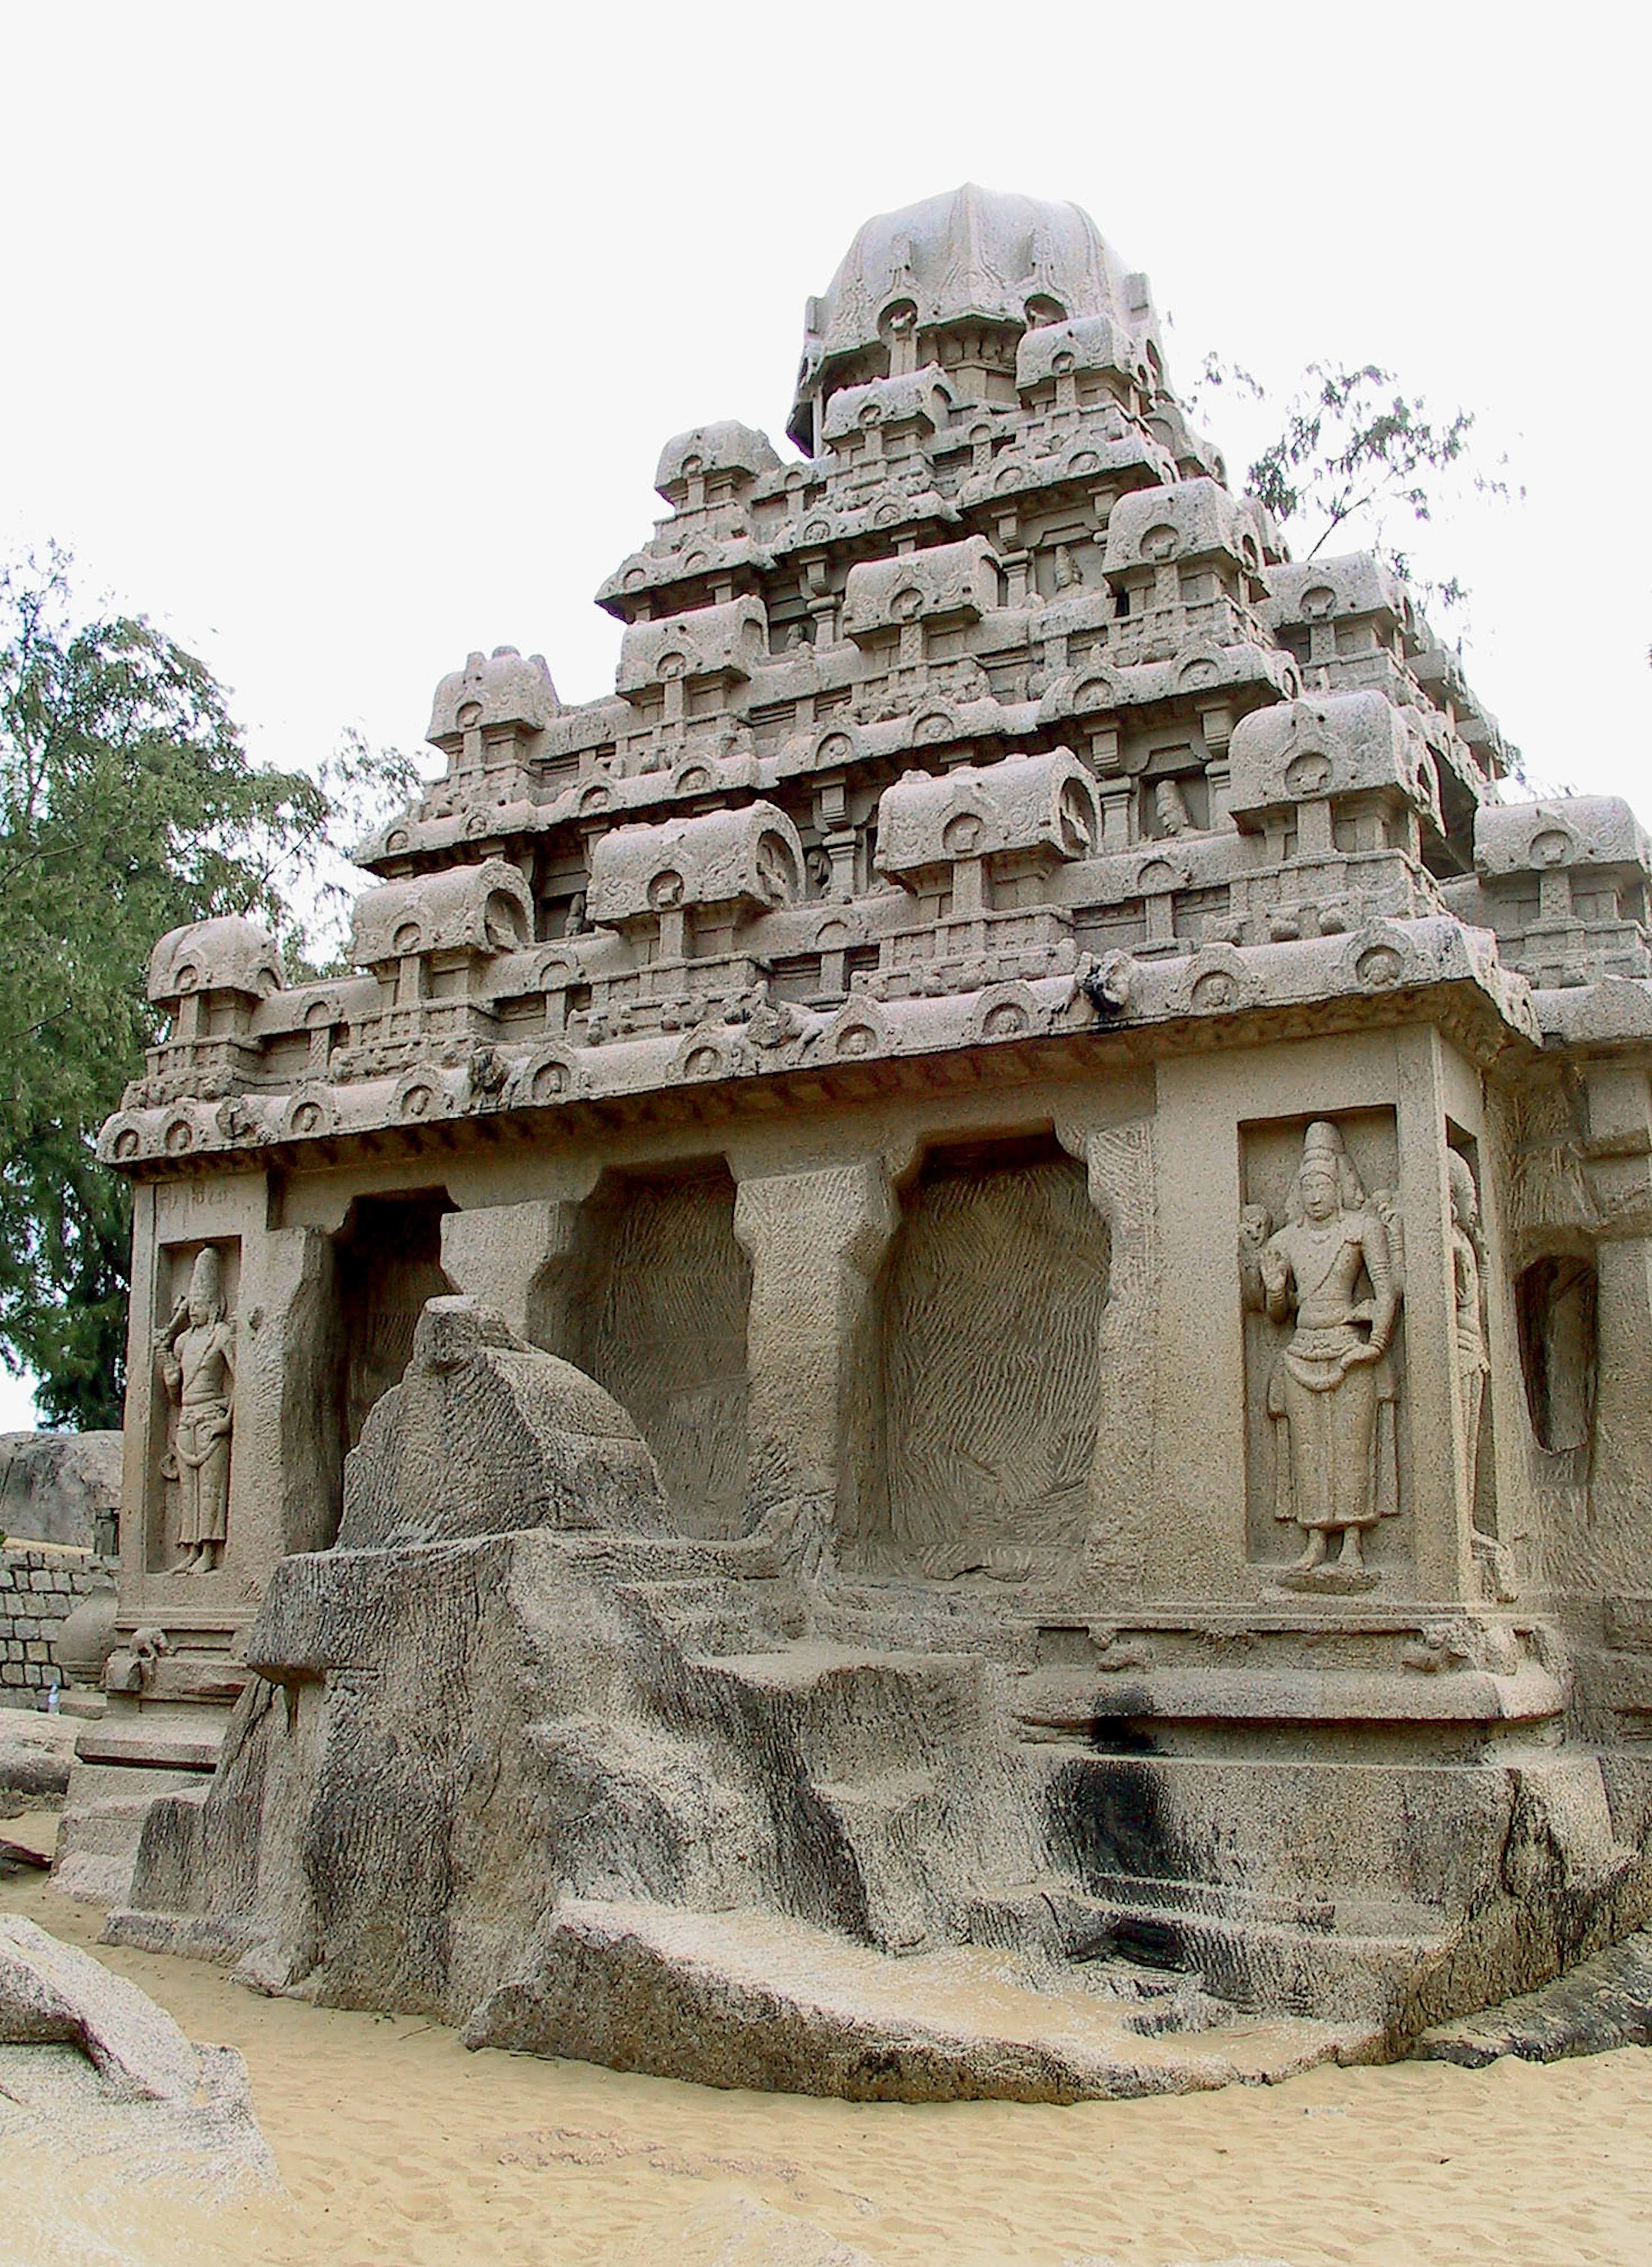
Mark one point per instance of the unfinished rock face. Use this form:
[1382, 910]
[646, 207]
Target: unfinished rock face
[615, 1794]
[486, 1433]
[1107, 1173]
[61, 1488]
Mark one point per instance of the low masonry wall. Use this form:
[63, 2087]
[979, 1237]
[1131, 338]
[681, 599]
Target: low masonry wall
[38, 1588]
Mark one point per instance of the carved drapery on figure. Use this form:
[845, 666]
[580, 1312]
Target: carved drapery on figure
[1333, 1271]
[1492, 1558]
[1473, 1364]
[196, 1352]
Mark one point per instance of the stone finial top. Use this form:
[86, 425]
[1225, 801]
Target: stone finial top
[482, 909]
[229, 954]
[493, 690]
[972, 254]
[1575, 830]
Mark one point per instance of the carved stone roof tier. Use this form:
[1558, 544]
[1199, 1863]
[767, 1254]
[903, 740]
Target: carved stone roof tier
[468, 909]
[749, 857]
[226, 955]
[998, 683]
[1042, 804]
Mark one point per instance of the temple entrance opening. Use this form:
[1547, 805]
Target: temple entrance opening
[992, 1300]
[390, 1263]
[660, 1319]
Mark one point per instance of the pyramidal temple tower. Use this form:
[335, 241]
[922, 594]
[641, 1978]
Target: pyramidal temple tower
[972, 1272]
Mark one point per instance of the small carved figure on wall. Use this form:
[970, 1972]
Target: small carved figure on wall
[1473, 1364]
[1331, 1393]
[1492, 1558]
[196, 1352]
[1170, 808]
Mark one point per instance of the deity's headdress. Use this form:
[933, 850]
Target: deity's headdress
[1323, 1149]
[1464, 1195]
[206, 1281]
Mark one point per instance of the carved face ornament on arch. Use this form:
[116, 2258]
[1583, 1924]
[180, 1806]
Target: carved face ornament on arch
[774, 870]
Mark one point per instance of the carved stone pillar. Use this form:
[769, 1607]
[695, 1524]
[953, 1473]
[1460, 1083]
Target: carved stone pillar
[814, 1240]
[1618, 1169]
[287, 1434]
[518, 1257]
[1439, 1521]
[1119, 1162]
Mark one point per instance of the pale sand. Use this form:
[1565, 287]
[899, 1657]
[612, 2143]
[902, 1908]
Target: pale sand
[400, 2149]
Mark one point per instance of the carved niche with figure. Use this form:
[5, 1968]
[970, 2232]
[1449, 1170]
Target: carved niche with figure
[1330, 1274]
[196, 1355]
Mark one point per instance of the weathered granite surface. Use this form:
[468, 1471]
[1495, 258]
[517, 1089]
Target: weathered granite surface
[36, 1751]
[1061, 1179]
[61, 1488]
[1605, 2002]
[91, 2064]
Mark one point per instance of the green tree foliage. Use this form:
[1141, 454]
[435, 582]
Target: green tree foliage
[127, 805]
[1351, 447]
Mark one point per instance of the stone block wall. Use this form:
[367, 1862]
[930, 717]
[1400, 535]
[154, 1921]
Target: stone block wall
[38, 1588]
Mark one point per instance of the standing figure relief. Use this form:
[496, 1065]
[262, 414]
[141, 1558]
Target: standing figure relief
[1473, 1362]
[196, 1352]
[1333, 1271]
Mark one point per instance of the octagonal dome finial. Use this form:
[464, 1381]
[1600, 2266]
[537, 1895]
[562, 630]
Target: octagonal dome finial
[972, 254]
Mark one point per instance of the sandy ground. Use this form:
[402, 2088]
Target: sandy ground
[399, 2148]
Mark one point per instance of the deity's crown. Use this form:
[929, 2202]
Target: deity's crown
[206, 1277]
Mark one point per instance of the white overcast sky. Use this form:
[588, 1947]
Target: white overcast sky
[343, 338]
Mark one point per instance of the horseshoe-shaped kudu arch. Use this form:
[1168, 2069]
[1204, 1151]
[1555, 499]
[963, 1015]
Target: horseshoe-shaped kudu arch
[940, 1382]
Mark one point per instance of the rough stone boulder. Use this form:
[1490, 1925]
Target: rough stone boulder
[50, 1993]
[484, 1434]
[36, 1752]
[60, 1487]
[90, 2065]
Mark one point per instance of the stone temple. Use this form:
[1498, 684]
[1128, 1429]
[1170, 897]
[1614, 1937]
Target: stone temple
[940, 1382]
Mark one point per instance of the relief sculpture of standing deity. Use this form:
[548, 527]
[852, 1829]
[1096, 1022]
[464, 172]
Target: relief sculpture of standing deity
[1334, 1271]
[196, 1352]
[1493, 1558]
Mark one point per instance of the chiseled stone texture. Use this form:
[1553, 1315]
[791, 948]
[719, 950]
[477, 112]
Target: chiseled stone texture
[91, 2064]
[968, 1275]
[60, 1487]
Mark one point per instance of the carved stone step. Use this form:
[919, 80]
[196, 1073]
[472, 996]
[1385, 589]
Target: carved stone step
[747, 1999]
[893, 1823]
[1251, 1962]
[851, 1715]
[711, 1616]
